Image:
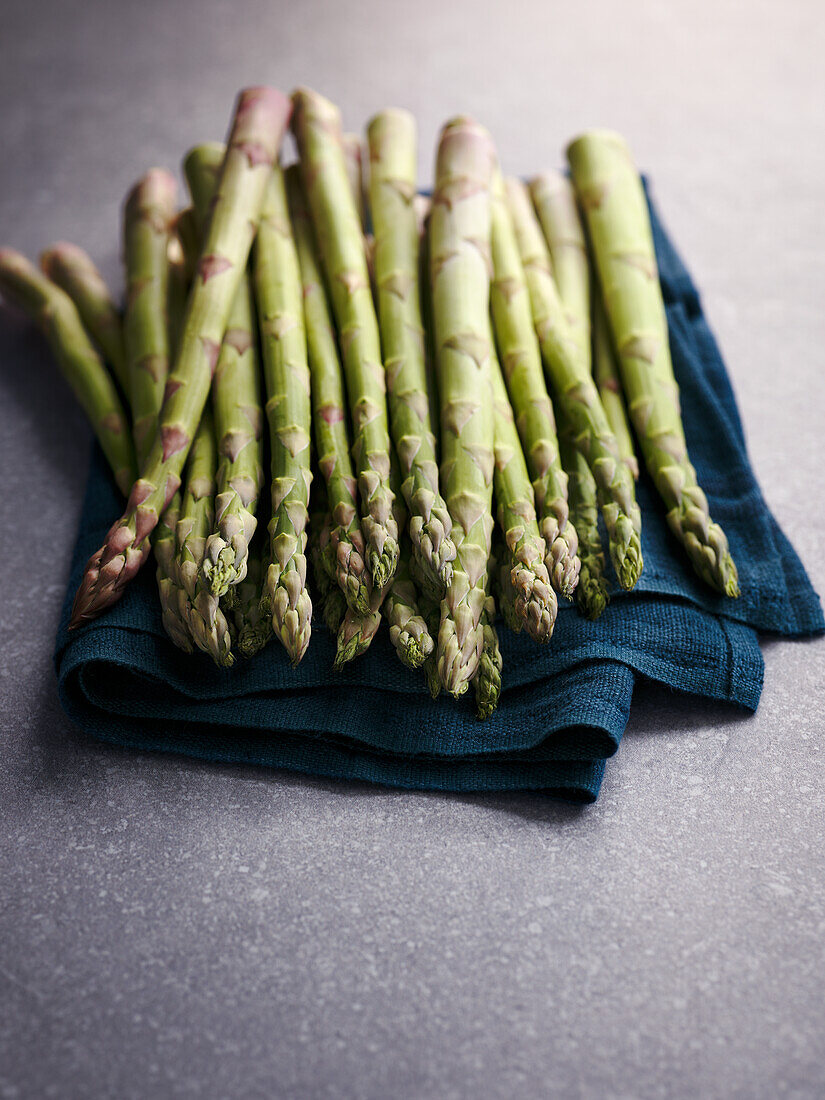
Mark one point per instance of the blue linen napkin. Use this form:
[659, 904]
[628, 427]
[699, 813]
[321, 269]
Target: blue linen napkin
[564, 706]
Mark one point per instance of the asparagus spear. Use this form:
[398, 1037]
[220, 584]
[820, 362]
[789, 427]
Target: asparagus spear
[22, 285]
[501, 583]
[611, 194]
[460, 274]
[592, 593]
[534, 599]
[347, 547]
[392, 146]
[555, 203]
[521, 360]
[148, 216]
[281, 316]
[252, 626]
[206, 621]
[317, 127]
[260, 119]
[354, 159]
[177, 290]
[422, 204]
[74, 271]
[607, 376]
[357, 630]
[409, 631]
[236, 405]
[487, 680]
[173, 609]
[575, 393]
[189, 233]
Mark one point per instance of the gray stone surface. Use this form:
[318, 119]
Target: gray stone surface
[173, 929]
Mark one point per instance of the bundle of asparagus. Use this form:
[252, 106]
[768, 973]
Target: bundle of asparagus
[489, 330]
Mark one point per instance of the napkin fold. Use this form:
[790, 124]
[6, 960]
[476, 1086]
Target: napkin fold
[564, 706]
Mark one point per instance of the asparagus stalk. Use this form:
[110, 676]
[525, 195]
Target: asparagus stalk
[555, 202]
[206, 621]
[357, 630]
[534, 599]
[611, 194]
[460, 275]
[409, 631]
[607, 376]
[347, 547]
[281, 315]
[317, 127]
[173, 608]
[502, 586]
[260, 119]
[592, 594]
[521, 360]
[189, 233]
[22, 285]
[177, 290]
[326, 594]
[148, 217]
[74, 271]
[236, 404]
[422, 204]
[487, 680]
[392, 146]
[399, 218]
[252, 626]
[575, 393]
[354, 159]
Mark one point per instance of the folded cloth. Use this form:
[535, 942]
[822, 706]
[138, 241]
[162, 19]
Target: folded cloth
[564, 706]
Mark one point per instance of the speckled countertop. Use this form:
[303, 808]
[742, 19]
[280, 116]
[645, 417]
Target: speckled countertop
[172, 929]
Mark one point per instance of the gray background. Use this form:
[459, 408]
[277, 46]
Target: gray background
[170, 928]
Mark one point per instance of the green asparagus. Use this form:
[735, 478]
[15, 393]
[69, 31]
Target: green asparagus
[521, 361]
[206, 621]
[236, 404]
[534, 599]
[283, 334]
[74, 271]
[487, 680]
[22, 285]
[607, 376]
[317, 127]
[148, 217]
[253, 627]
[592, 594]
[260, 119]
[460, 276]
[611, 194]
[173, 609]
[392, 146]
[575, 393]
[346, 547]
